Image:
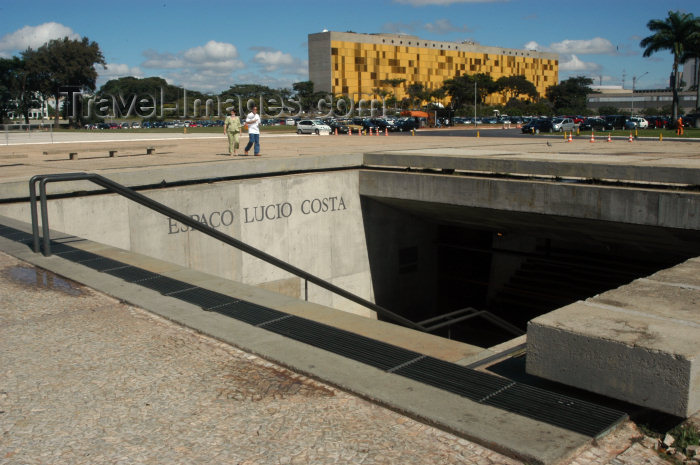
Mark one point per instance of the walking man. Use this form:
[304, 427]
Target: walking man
[232, 128]
[253, 122]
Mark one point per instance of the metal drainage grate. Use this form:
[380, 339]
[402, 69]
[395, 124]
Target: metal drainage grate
[468, 383]
[131, 274]
[556, 409]
[249, 313]
[362, 349]
[164, 285]
[203, 297]
[15, 234]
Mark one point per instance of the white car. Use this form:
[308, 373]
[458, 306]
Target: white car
[312, 126]
[563, 124]
[636, 122]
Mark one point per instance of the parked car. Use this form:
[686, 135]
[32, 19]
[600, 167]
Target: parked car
[657, 122]
[563, 124]
[406, 124]
[616, 121]
[595, 124]
[536, 126]
[636, 122]
[309, 126]
[340, 126]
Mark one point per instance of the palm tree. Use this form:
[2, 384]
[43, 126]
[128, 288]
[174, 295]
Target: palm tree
[674, 34]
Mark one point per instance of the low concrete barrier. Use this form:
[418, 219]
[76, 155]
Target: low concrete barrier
[639, 343]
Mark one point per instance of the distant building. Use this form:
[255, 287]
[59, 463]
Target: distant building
[690, 72]
[637, 101]
[352, 64]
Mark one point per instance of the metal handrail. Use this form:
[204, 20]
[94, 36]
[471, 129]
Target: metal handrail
[124, 191]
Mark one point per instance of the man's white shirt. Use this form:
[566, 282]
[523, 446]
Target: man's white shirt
[253, 120]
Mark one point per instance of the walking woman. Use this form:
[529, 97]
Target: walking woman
[232, 128]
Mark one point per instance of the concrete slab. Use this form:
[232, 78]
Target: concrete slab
[639, 343]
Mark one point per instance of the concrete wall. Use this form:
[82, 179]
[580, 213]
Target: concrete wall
[394, 239]
[312, 221]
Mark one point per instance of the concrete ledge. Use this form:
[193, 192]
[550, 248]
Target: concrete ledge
[497, 160]
[639, 343]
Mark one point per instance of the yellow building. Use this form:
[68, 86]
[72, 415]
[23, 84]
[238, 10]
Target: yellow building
[354, 64]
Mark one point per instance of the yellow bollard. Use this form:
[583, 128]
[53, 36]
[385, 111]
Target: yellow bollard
[413, 132]
[636, 135]
[578, 133]
[184, 130]
[661, 137]
[477, 134]
[564, 136]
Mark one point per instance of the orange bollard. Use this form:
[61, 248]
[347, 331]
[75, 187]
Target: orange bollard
[386, 131]
[592, 137]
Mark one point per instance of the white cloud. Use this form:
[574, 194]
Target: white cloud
[159, 60]
[573, 63]
[207, 68]
[443, 2]
[595, 46]
[211, 56]
[115, 70]
[276, 60]
[400, 28]
[444, 26]
[34, 37]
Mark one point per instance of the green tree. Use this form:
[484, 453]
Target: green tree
[393, 83]
[417, 93]
[515, 86]
[569, 96]
[304, 91]
[18, 88]
[461, 89]
[9, 84]
[608, 110]
[64, 64]
[673, 33]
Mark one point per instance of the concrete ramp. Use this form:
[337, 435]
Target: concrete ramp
[639, 343]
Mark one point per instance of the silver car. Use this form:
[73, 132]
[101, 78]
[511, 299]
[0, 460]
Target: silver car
[563, 124]
[312, 126]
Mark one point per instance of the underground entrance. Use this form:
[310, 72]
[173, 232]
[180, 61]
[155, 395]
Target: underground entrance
[431, 259]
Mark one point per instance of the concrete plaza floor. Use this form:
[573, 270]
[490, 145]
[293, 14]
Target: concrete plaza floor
[87, 379]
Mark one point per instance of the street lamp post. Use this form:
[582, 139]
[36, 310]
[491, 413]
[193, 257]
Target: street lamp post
[475, 103]
[634, 83]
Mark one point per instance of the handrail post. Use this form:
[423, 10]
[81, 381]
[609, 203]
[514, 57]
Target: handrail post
[32, 208]
[44, 218]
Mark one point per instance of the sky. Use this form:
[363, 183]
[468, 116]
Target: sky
[211, 45]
